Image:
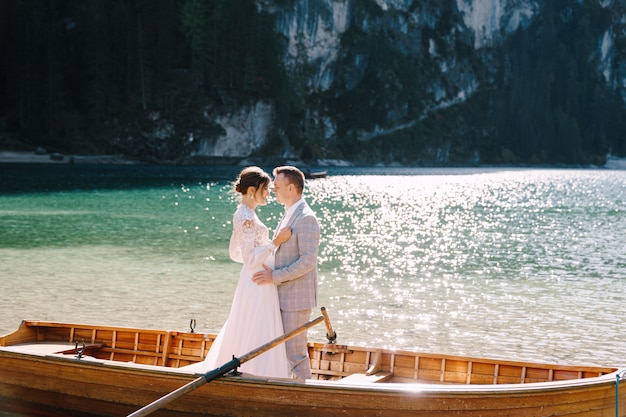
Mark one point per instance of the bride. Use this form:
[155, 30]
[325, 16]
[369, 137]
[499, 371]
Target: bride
[254, 317]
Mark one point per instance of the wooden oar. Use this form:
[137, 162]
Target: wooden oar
[218, 372]
[331, 335]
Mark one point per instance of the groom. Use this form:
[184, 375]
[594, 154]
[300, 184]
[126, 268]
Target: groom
[295, 272]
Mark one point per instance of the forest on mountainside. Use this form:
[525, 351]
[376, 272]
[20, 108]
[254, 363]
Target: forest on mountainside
[92, 76]
[145, 78]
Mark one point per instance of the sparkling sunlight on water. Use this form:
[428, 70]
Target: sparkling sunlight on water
[519, 264]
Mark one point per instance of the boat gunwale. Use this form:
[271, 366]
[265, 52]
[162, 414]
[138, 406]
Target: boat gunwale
[322, 347]
[548, 387]
[369, 387]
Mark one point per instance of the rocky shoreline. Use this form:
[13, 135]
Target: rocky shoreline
[24, 157]
[34, 157]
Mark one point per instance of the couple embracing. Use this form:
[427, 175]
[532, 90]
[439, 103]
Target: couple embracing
[277, 286]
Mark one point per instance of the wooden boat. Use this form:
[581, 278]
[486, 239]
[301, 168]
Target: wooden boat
[315, 174]
[114, 371]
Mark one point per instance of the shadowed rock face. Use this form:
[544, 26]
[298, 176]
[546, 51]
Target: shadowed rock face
[410, 58]
[375, 81]
[313, 31]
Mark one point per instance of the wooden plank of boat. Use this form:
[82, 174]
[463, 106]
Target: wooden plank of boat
[137, 366]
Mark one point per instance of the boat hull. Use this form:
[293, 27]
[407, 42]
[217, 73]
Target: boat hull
[121, 370]
[98, 388]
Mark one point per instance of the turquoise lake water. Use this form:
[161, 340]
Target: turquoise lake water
[525, 264]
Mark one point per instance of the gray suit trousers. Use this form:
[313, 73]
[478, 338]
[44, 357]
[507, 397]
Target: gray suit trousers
[297, 352]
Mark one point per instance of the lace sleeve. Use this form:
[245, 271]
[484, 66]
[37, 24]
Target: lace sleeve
[244, 243]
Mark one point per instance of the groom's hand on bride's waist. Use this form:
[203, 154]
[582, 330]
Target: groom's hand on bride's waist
[263, 277]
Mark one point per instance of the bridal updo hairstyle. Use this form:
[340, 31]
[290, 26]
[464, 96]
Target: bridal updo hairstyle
[251, 177]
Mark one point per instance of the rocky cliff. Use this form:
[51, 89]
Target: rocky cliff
[429, 81]
[413, 82]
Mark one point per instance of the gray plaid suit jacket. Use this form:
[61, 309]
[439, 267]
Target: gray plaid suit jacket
[295, 267]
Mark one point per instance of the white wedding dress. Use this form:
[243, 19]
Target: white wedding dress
[254, 317]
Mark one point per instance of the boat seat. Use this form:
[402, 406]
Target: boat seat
[358, 378]
[40, 348]
[86, 348]
[46, 348]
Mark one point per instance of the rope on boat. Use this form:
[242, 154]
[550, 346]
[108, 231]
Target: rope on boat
[618, 376]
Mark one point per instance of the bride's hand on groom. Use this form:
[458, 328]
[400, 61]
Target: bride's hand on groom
[263, 277]
[282, 236]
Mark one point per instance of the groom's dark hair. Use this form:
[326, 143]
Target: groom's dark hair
[294, 176]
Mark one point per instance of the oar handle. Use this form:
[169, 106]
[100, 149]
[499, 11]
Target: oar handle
[331, 335]
[227, 367]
